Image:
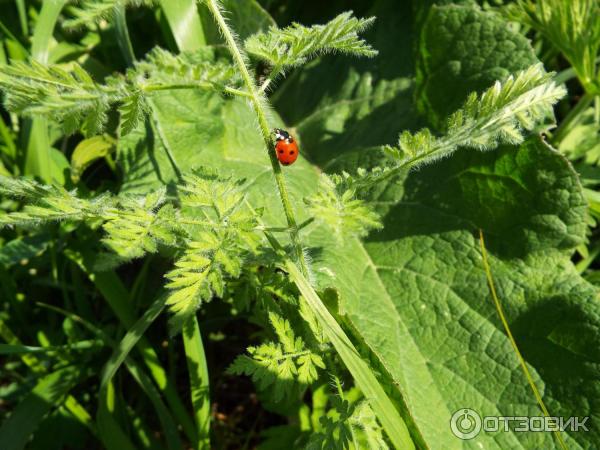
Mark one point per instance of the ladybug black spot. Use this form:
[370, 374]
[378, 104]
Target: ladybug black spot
[292, 152]
[280, 151]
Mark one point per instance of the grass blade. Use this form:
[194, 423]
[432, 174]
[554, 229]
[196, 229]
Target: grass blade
[72, 405]
[122, 33]
[117, 297]
[22, 10]
[37, 159]
[122, 350]
[47, 394]
[140, 377]
[130, 340]
[167, 422]
[17, 349]
[109, 430]
[199, 381]
[185, 23]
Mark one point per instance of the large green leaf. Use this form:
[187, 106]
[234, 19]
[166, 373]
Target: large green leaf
[463, 49]
[415, 293]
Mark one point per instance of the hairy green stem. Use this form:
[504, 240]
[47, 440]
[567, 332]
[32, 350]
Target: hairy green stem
[569, 73]
[258, 103]
[197, 85]
[363, 376]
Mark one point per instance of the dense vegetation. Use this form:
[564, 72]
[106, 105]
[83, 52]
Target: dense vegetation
[165, 283]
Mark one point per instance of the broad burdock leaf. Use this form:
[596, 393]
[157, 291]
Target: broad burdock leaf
[416, 291]
[294, 45]
[463, 50]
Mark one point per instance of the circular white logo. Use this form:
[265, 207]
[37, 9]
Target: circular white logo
[465, 424]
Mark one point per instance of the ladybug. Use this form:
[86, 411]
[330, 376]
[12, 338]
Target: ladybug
[286, 147]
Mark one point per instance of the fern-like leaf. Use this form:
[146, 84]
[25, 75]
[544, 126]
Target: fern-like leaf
[135, 227]
[48, 203]
[294, 45]
[90, 12]
[337, 432]
[218, 241]
[161, 69]
[68, 95]
[132, 109]
[336, 206]
[348, 423]
[279, 367]
[370, 433]
[503, 114]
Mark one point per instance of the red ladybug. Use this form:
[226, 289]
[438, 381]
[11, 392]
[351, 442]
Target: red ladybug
[286, 148]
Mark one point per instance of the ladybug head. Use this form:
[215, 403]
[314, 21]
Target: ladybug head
[281, 135]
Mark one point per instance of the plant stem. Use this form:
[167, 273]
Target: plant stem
[22, 10]
[258, 103]
[195, 85]
[364, 377]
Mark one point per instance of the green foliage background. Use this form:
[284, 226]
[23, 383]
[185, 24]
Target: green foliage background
[412, 295]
